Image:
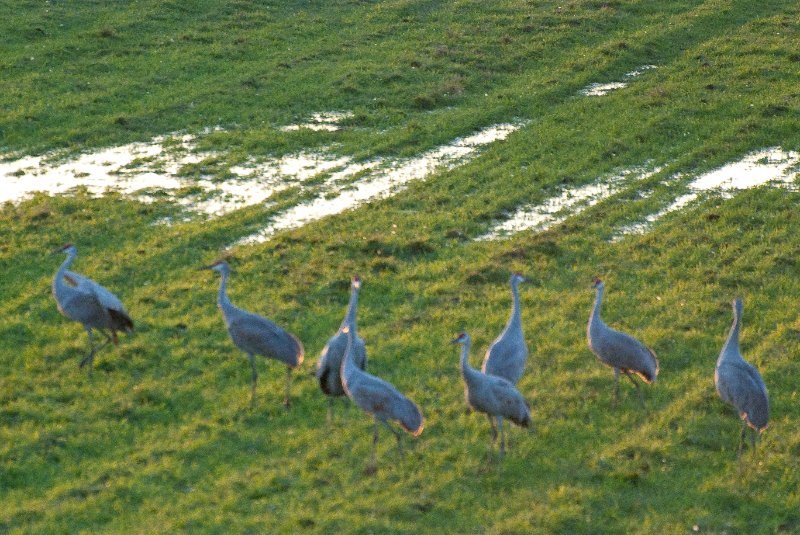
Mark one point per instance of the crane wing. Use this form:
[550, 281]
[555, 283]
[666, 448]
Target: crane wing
[258, 335]
[381, 399]
[373, 394]
[506, 356]
[510, 402]
[745, 389]
[85, 284]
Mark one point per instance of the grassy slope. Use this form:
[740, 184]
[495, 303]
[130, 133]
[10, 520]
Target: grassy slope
[161, 439]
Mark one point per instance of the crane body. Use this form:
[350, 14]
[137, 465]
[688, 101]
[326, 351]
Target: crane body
[90, 304]
[380, 399]
[492, 395]
[739, 383]
[508, 354]
[330, 361]
[620, 351]
[256, 335]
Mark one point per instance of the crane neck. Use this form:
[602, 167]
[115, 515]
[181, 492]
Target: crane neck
[348, 368]
[515, 304]
[465, 367]
[222, 295]
[731, 347]
[595, 319]
[350, 316]
[58, 281]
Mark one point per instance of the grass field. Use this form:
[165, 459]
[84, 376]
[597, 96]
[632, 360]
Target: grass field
[161, 438]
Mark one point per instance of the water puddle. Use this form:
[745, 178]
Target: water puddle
[323, 121]
[570, 202]
[599, 90]
[152, 171]
[149, 171]
[769, 166]
[382, 179]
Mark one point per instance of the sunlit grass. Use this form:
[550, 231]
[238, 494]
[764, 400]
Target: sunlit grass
[161, 438]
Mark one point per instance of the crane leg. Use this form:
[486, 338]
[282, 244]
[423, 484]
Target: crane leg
[502, 436]
[288, 384]
[372, 467]
[109, 339]
[253, 379]
[741, 439]
[329, 417]
[638, 390]
[396, 434]
[616, 386]
[89, 359]
[494, 429]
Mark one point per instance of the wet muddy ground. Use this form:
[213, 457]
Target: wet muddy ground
[152, 171]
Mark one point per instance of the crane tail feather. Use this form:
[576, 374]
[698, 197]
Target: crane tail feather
[323, 381]
[412, 421]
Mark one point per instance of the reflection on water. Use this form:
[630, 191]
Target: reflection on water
[570, 202]
[151, 171]
[322, 121]
[383, 178]
[146, 168]
[769, 166]
[772, 165]
[598, 90]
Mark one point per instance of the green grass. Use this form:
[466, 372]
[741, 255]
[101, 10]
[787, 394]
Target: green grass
[161, 439]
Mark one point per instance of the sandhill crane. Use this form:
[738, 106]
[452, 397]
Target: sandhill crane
[618, 350]
[256, 335]
[507, 355]
[378, 398]
[88, 303]
[492, 395]
[739, 383]
[330, 359]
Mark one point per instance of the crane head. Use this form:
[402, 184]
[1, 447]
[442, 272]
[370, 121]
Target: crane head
[219, 266]
[66, 248]
[462, 338]
[596, 282]
[356, 282]
[517, 277]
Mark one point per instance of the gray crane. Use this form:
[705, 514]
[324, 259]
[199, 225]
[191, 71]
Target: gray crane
[256, 335]
[618, 350]
[379, 399]
[492, 395]
[739, 383]
[507, 355]
[88, 303]
[330, 359]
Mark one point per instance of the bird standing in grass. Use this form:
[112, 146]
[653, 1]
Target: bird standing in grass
[330, 360]
[379, 399]
[492, 395]
[739, 383]
[618, 350]
[256, 335]
[88, 303]
[507, 355]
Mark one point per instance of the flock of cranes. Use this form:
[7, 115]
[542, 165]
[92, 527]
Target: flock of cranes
[341, 369]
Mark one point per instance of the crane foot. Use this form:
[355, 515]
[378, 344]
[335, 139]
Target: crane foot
[370, 469]
[88, 359]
